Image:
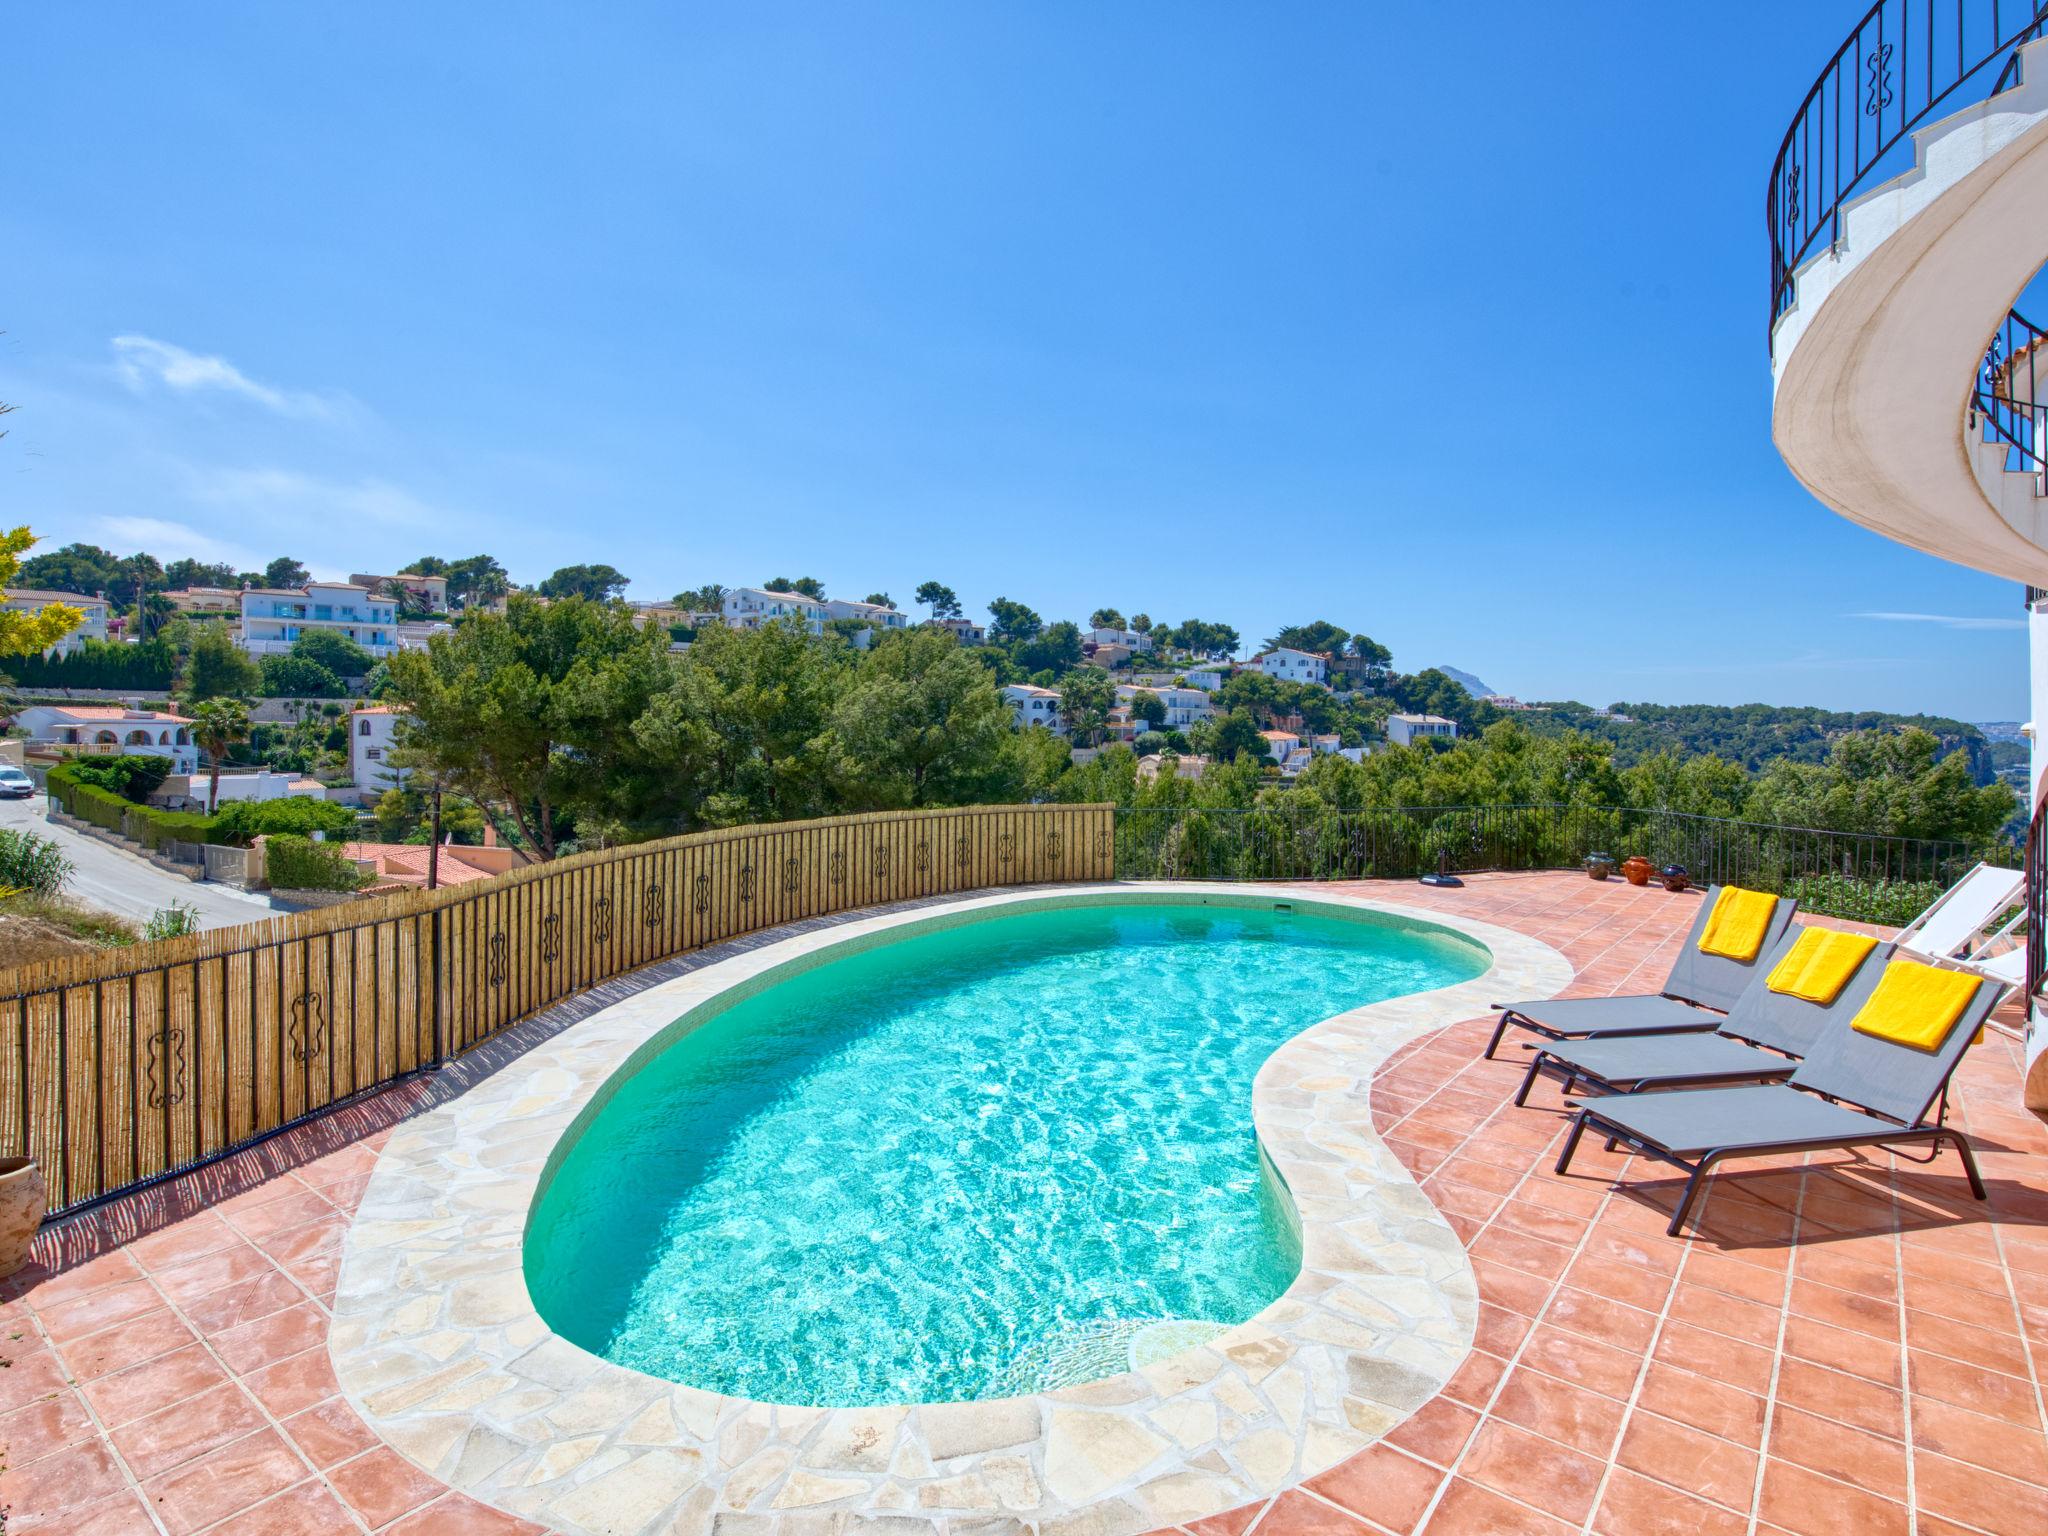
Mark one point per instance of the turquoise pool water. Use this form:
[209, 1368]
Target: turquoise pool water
[977, 1161]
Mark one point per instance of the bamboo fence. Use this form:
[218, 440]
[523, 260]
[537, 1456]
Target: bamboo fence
[123, 1067]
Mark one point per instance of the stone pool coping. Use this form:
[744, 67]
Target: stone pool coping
[436, 1342]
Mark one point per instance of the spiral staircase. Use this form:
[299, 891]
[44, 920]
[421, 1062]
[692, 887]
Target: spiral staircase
[1908, 209]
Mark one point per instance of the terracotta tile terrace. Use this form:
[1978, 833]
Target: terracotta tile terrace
[1848, 1346]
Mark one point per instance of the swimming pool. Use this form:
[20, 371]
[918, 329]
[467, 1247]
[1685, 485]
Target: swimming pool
[982, 1160]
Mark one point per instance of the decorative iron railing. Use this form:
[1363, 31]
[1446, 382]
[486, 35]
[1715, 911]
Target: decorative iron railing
[1851, 874]
[2006, 402]
[2037, 897]
[1906, 60]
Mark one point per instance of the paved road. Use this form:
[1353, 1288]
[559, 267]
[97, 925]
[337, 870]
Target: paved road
[115, 880]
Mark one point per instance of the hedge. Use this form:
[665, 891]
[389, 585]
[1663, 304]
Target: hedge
[146, 824]
[149, 666]
[234, 825]
[293, 863]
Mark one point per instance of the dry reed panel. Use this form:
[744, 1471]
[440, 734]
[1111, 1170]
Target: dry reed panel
[121, 1066]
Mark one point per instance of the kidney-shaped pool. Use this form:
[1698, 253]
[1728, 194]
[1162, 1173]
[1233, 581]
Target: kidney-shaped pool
[981, 1160]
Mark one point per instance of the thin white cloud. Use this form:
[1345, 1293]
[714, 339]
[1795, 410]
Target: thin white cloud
[295, 499]
[170, 540]
[144, 362]
[1945, 620]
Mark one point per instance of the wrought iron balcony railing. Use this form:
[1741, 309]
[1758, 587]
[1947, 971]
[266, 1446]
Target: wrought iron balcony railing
[2006, 403]
[1906, 60]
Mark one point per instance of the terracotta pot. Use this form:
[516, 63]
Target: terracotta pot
[22, 1202]
[1636, 870]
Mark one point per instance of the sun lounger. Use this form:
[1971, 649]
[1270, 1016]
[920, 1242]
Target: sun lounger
[1852, 1090]
[1700, 989]
[1761, 1040]
[1950, 928]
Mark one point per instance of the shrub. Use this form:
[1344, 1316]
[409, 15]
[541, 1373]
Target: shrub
[132, 777]
[172, 922]
[1890, 903]
[31, 864]
[299, 864]
[157, 829]
[333, 650]
[293, 677]
[239, 821]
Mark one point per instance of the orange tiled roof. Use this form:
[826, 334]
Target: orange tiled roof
[408, 862]
[115, 712]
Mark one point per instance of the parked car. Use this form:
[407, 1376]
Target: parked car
[15, 784]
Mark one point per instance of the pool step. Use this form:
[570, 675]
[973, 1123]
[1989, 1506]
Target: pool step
[1103, 1349]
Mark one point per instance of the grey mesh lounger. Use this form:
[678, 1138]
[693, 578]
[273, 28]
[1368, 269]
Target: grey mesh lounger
[1885, 1091]
[1698, 991]
[1760, 1041]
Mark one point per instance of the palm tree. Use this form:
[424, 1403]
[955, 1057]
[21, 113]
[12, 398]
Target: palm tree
[217, 725]
[152, 612]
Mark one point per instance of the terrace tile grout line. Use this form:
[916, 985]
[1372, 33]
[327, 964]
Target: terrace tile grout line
[1486, 1413]
[1628, 1412]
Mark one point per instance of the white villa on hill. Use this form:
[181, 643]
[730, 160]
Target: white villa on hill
[1292, 666]
[30, 600]
[1403, 730]
[207, 602]
[966, 631]
[273, 617]
[878, 614]
[109, 730]
[428, 592]
[751, 607]
[1129, 639]
[1184, 706]
[1033, 705]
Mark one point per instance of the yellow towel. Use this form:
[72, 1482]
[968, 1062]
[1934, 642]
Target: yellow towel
[1819, 964]
[1737, 925]
[1916, 1004]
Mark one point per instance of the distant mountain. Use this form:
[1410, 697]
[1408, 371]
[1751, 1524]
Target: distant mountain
[1467, 681]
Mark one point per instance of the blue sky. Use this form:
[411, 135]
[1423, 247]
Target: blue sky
[1441, 322]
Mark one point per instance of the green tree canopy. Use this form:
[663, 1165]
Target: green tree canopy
[1895, 782]
[334, 651]
[294, 677]
[1086, 697]
[941, 599]
[1318, 637]
[217, 668]
[708, 598]
[535, 709]
[808, 586]
[284, 571]
[1236, 735]
[180, 574]
[1106, 618]
[596, 583]
[922, 724]
[1013, 621]
[1203, 638]
[89, 571]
